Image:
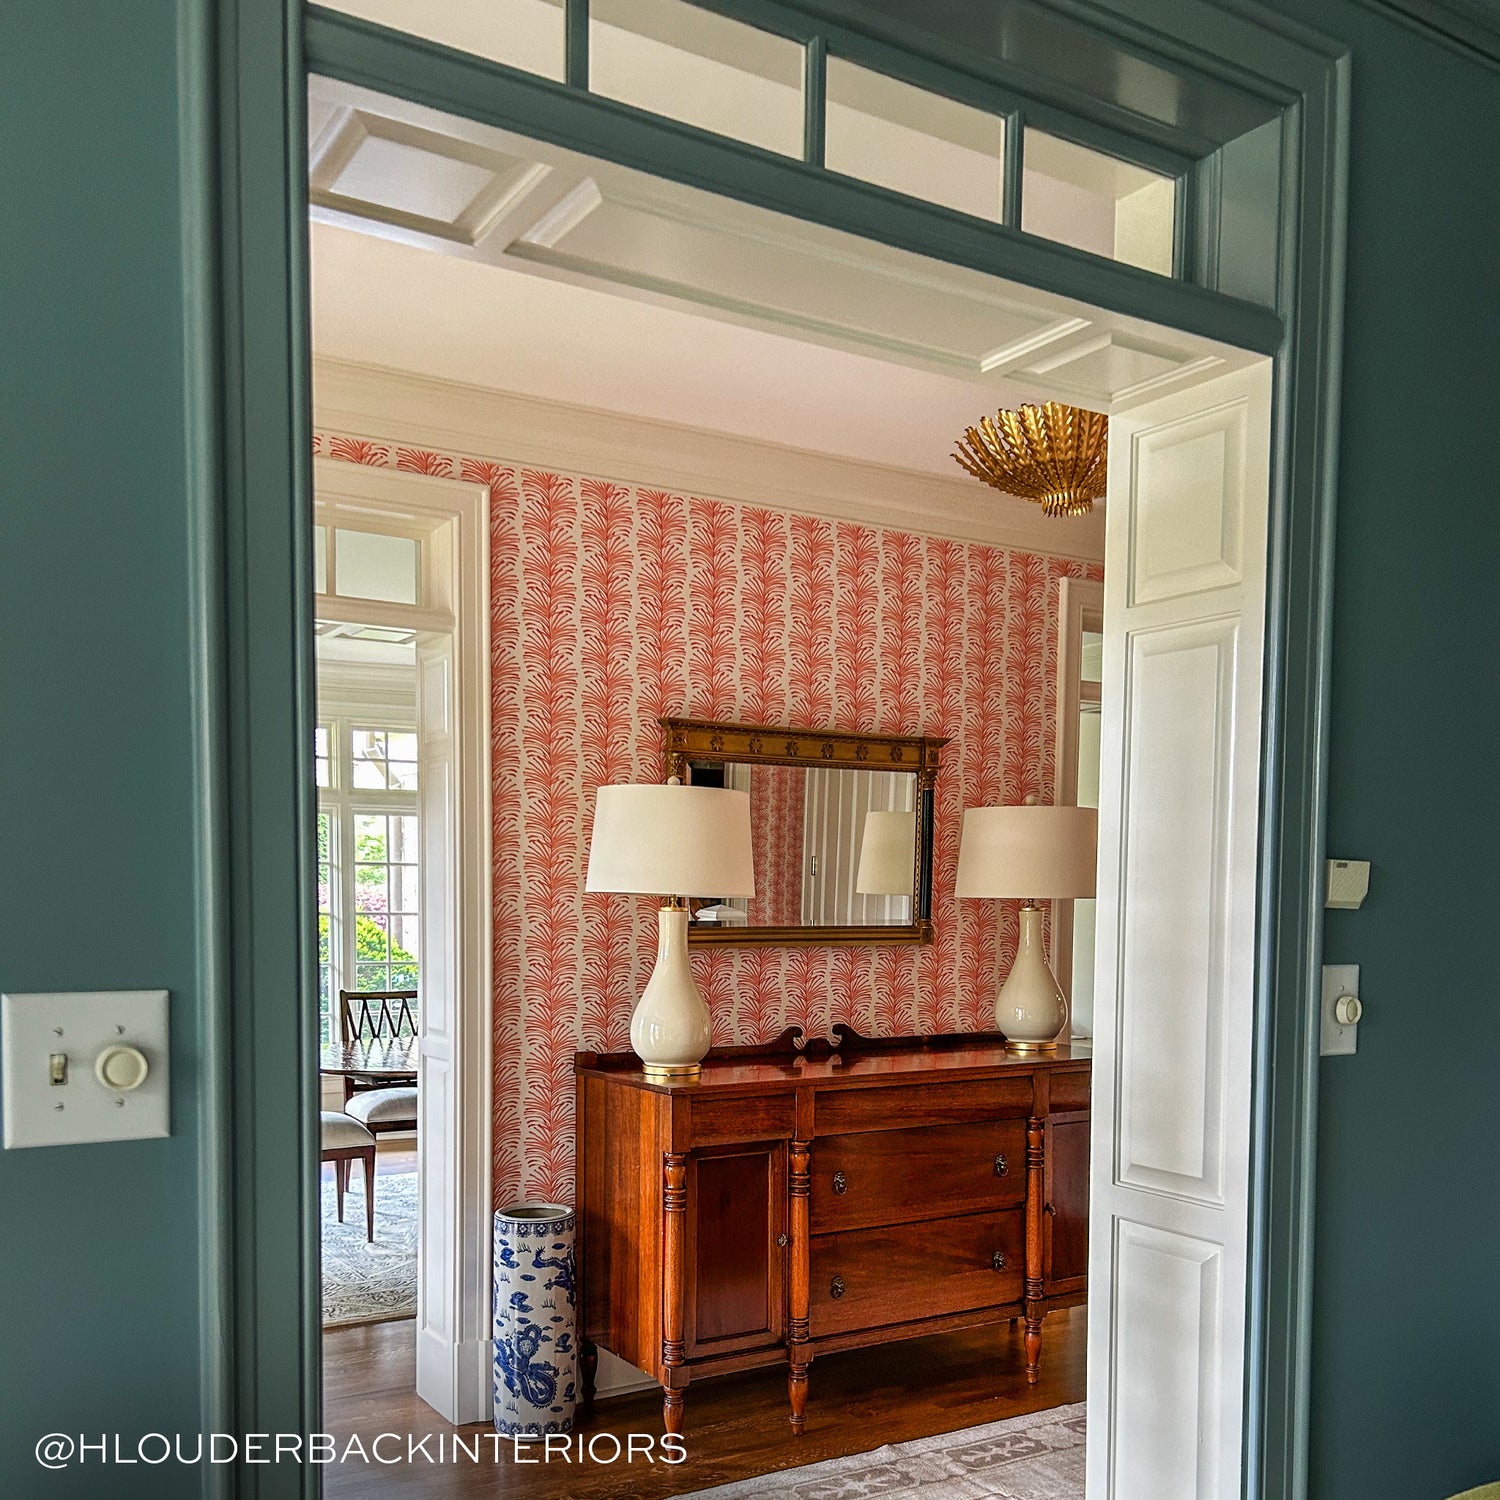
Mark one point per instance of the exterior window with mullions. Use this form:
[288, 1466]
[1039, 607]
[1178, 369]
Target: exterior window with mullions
[369, 903]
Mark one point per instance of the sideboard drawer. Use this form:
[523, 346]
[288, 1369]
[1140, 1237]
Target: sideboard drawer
[732, 1119]
[867, 1278]
[888, 1176]
[844, 1111]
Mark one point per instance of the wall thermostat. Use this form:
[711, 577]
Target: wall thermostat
[1348, 884]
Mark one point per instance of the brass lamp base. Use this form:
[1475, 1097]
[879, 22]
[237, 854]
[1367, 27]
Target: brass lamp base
[672, 1072]
[1030, 1008]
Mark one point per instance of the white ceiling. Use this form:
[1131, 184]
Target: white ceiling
[460, 252]
[388, 304]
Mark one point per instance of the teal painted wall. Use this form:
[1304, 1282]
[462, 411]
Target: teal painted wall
[99, 1246]
[99, 1328]
[1406, 1352]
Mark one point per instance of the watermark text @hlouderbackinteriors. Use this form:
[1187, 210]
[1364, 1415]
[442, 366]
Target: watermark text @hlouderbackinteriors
[63, 1450]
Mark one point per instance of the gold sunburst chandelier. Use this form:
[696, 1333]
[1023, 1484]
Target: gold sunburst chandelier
[1052, 454]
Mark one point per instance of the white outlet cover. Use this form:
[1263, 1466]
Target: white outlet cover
[81, 1025]
[1337, 1040]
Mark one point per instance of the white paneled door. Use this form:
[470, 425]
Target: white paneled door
[1184, 642]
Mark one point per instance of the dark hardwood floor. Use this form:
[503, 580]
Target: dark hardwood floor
[736, 1426]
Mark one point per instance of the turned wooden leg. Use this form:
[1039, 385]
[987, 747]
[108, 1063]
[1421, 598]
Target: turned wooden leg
[799, 1204]
[796, 1388]
[589, 1358]
[369, 1160]
[671, 1409]
[673, 1273]
[1035, 1286]
[1033, 1349]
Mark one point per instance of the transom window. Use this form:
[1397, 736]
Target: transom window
[369, 887]
[359, 564]
[795, 92]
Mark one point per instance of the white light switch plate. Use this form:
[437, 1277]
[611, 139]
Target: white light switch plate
[35, 1028]
[1338, 1040]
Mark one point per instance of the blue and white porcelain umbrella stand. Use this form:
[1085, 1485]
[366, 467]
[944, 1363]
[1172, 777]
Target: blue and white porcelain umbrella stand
[536, 1310]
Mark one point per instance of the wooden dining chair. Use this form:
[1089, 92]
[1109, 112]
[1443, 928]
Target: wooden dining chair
[343, 1139]
[387, 1103]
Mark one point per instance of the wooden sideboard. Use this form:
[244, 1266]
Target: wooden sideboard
[794, 1201]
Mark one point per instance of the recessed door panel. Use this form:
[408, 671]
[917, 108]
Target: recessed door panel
[736, 1293]
[1066, 1230]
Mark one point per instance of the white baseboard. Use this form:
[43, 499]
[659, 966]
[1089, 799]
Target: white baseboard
[455, 1379]
[615, 1378]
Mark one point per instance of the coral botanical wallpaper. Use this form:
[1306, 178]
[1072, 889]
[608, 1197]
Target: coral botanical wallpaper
[778, 800]
[613, 604]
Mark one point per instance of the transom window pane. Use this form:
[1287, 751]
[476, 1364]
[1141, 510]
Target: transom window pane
[372, 565]
[912, 141]
[525, 34]
[384, 760]
[1095, 202]
[700, 68]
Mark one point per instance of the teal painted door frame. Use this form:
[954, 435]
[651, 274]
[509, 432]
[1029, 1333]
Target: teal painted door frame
[1266, 267]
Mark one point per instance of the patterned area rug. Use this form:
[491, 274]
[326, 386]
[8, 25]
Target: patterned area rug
[1035, 1457]
[369, 1283]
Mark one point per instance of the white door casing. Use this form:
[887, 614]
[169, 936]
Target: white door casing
[454, 1146]
[1184, 637]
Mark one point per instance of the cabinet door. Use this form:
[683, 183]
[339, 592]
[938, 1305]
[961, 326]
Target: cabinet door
[736, 1265]
[1065, 1246]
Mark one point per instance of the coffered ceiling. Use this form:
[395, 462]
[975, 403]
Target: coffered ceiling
[459, 251]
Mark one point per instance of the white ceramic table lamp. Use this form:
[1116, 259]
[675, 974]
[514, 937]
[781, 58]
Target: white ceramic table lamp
[674, 841]
[887, 855]
[1035, 854]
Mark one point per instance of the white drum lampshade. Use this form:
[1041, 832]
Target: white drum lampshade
[888, 855]
[674, 841]
[1032, 854]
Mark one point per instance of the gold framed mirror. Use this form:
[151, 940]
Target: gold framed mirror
[842, 830]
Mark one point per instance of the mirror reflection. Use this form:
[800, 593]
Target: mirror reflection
[835, 846]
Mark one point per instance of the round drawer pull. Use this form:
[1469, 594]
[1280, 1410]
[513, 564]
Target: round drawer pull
[997, 1260]
[836, 1288]
[1001, 1165]
[840, 1183]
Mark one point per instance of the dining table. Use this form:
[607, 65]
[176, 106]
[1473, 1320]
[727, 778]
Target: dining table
[381, 1057]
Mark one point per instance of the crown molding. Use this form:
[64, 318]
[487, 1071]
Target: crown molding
[1470, 27]
[395, 406]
